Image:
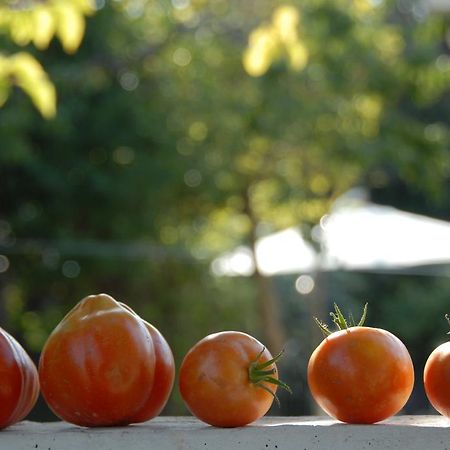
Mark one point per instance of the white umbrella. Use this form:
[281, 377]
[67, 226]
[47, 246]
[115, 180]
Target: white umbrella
[356, 235]
[370, 236]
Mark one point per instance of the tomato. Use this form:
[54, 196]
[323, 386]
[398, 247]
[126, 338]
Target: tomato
[228, 379]
[104, 366]
[360, 374]
[436, 378]
[19, 382]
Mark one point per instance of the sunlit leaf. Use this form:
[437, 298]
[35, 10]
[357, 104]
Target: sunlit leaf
[42, 20]
[280, 38]
[21, 28]
[298, 55]
[44, 27]
[259, 54]
[285, 20]
[70, 26]
[31, 77]
[369, 106]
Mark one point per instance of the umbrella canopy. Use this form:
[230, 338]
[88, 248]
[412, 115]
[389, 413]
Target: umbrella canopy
[370, 236]
[356, 235]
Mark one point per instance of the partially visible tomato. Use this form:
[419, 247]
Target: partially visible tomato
[19, 382]
[104, 366]
[360, 374]
[228, 379]
[436, 378]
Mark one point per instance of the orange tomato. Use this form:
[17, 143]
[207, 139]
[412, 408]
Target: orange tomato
[19, 382]
[361, 374]
[104, 366]
[228, 379]
[436, 378]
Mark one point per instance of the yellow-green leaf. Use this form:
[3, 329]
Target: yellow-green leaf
[21, 27]
[70, 26]
[44, 27]
[298, 55]
[259, 55]
[285, 20]
[31, 77]
[276, 40]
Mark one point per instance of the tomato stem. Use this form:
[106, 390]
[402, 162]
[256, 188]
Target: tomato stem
[338, 318]
[260, 377]
[340, 321]
[448, 320]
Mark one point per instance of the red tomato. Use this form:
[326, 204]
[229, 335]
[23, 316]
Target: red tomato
[360, 374]
[228, 379]
[104, 366]
[436, 378]
[19, 382]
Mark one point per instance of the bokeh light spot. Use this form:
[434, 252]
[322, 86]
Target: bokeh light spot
[169, 235]
[123, 155]
[71, 269]
[129, 81]
[4, 263]
[304, 284]
[182, 57]
[198, 131]
[443, 63]
[193, 178]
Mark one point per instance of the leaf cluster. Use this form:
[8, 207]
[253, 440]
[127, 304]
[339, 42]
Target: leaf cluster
[38, 22]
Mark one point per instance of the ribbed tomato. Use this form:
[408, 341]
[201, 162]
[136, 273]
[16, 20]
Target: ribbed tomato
[436, 378]
[19, 382]
[104, 366]
[360, 374]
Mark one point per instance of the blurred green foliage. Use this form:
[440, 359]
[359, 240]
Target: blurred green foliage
[184, 128]
[37, 22]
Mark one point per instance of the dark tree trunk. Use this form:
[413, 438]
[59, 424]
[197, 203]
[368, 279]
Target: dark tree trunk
[268, 301]
[270, 314]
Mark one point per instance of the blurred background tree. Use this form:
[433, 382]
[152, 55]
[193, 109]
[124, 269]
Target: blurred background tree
[185, 128]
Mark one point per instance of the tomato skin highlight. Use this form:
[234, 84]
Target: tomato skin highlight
[99, 367]
[361, 375]
[436, 378]
[214, 380]
[19, 382]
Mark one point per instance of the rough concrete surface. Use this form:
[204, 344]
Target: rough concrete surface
[283, 433]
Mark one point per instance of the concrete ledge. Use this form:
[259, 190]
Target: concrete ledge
[283, 433]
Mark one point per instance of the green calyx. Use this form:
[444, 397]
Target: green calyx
[260, 374]
[340, 321]
[448, 320]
